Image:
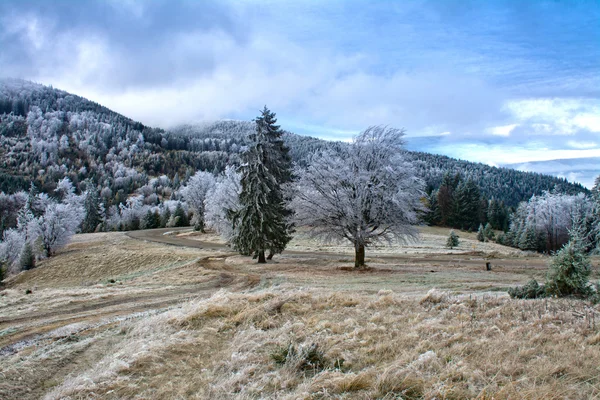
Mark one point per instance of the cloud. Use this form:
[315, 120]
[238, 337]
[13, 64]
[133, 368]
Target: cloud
[504, 130]
[505, 91]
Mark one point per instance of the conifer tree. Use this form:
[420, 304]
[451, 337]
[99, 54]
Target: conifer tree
[180, 216]
[488, 232]
[165, 217]
[452, 240]
[467, 205]
[528, 240]
[261, 222]
[480, 234]
[93, 215]
[151, 220]
[570, 268]
[27, 260]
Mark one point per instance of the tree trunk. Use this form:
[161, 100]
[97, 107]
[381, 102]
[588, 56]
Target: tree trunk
[270, 256]
[359, 256]
[261, 257]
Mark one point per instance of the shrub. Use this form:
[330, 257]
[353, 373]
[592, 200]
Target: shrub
[569, 271]
[452, 240]
[532, 290]
[304, 359]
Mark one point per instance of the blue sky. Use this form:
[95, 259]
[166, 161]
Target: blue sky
[500, 82]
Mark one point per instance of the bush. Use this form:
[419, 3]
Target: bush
[532, 290]
[569, 271]
[452, 240]
[304, 359]
[568, 275]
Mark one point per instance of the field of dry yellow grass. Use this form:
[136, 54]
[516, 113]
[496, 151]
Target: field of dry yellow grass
[114, 317]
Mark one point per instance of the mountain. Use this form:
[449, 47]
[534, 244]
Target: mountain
[47, 134]
[583, 170]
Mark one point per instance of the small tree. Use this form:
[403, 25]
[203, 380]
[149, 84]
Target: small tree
[488, 232]
[480, 234]
[570, 269]
[56, 227]
[165, 217]
[151, 220]
[452, 240]
[27, 259]
[180, 216]
[224, 196]
[93, 214]
[529, 240]
[195, 193]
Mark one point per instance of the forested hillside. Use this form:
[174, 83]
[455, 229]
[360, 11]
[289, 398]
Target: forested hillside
[47, 134]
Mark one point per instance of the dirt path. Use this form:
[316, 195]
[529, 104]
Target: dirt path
[34, 326]
[158, 236]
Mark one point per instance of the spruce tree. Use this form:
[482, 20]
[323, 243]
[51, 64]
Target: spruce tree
[165, 217]
[261, 222]
[570, 268]
[488, 232]
[467, 205]
[27, 260]
[480, 234]
[452, 240]
[529, 240]
[151, 220]
[181, 218]
[93, 215]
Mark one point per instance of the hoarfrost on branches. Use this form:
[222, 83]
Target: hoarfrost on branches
[365, 193]
[222, 197]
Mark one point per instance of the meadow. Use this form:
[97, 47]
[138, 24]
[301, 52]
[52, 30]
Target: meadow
[179, 315]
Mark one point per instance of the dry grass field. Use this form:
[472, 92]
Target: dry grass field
[181, 316]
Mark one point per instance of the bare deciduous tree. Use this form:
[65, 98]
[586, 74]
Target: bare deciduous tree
[366, 193]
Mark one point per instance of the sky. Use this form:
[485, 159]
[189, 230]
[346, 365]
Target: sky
[499, 82]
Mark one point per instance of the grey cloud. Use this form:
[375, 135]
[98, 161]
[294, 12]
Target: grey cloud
[143, 49]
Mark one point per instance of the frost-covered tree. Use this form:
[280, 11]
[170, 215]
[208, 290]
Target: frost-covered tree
[546, 220]
[261, 221]
[195, 192]
[57, 225]
[488, 231]
[480, 235]
[570, 268]
[453, 240]
[224, 196]
[595, 215]
[27, 257]
[11, 247]
[366, 193]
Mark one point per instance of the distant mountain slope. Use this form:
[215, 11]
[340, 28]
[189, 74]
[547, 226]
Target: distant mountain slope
[583, 170]
[47, 134]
